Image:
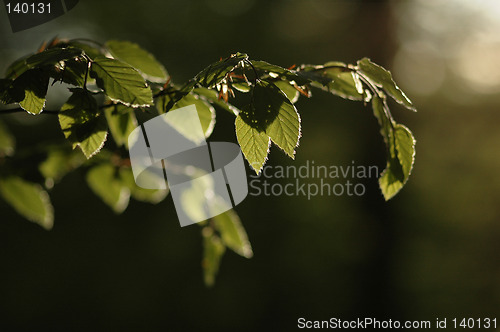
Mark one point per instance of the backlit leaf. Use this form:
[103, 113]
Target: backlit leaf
[399, 167]
[121, 122]
[105, 182]
[138, 58]
[28, 199]
[34, 83]
[289, 90]
[121, 82]
[206, 112]
[274, 113]
[217, 71]
[60, 162]
[264, 67]
[383, 78]
[82, 124]
[254, 143]
[232, 233]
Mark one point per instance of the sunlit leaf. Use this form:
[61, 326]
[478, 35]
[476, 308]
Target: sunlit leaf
[121, 82]
[206, 112]
[34, 83]
[263, 67]
[105, 182]
[28, 199]
[232, 233]
[289, 90]
[345, 83]
[383, 78]
[276, 115]
[213, 250]
[254, 143]
[405, 148]
[82, 124]
[217, 71]
[399, 167]
[138, 58]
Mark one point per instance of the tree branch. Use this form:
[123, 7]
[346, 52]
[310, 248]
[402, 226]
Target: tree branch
[20, 110]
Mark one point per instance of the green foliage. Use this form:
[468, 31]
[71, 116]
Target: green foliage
[213, 250]
[121, 82]
[82, 124]
[28, 199]
[138, 58]
[105, 181]
[114, 84]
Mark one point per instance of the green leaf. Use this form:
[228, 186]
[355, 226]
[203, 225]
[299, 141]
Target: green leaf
[274, 113]
[90, 51]
[206, 112]
[264, 67]
[29, 200]
[34, 83]
[138, 58]
[217, 71]
[289, 90]
[53, 56]
[345, 82]
[121, 122]
[60, 162]
[121, 82]
[213, 250]
[405, 148]
[153, 196]
[241, 87]
[232, 233]
[7, 141]
[105, 182]
[400, 166]
[254, 143]
[72, 72]
[314, 74]
[17, 68]
[82, 124]
[382, 115]
[383, 78]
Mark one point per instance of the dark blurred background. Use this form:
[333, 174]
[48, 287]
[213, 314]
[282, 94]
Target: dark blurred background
[431, 252]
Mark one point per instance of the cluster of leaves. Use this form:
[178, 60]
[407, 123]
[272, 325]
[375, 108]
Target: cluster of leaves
[113, 84]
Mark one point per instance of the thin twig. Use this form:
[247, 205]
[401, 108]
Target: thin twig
[20, 110]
